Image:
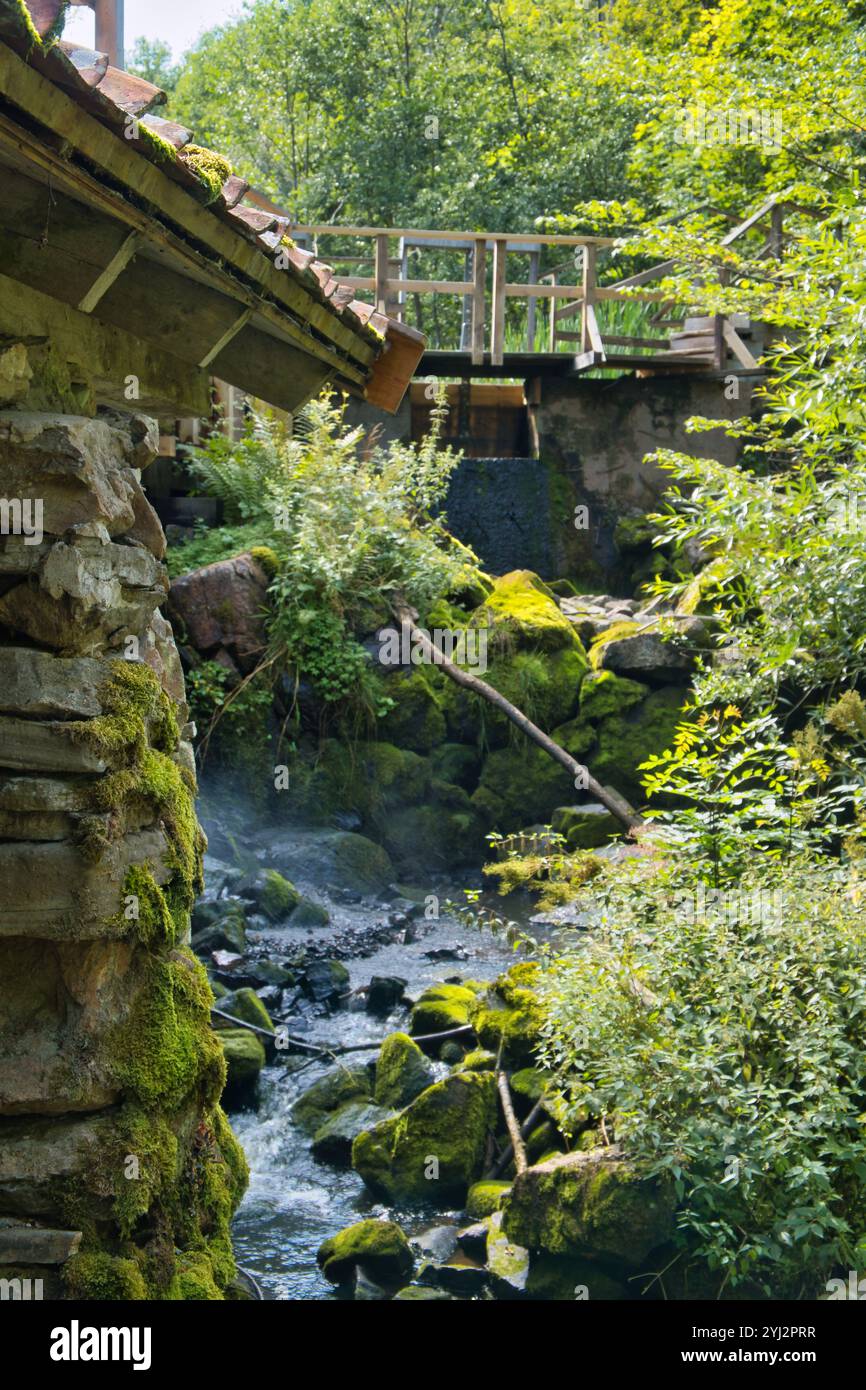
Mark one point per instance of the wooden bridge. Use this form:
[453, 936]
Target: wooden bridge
[578, 316]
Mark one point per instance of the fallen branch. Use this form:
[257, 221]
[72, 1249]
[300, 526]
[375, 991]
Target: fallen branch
[323, 1049]
[616, 804]
[526, 1128]
[517, 1145]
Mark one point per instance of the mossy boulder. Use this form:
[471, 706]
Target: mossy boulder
[558, 1278]
[458, 764]
[592, 1205]
[272, 895]
[528, 1086]
[602, 693]
[587, 826]
[246, 1005]
[435, 1148]
[102, 1277]
[523, 610]
[416, 721]
[447, 831]
[309, 913]
[626, 741]
[519, 786]
[332, 1142]
[509, 1017]
[402, 1072]
[507, 1262]
[441, 1008]
[478, 1059]
[484, 1198]
[379, 1247]
[319, 1101]
[245, 1058]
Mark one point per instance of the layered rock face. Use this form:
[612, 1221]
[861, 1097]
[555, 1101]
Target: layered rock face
[110, 1077]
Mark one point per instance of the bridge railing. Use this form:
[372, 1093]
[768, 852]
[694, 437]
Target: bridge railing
[572, 288]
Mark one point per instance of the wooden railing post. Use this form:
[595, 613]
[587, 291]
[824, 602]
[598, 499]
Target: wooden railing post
[497, 345]
[479, 300]
[589, 287]
[551, 335]
[381, 273]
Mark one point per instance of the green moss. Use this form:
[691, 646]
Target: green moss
[104, 1278]
[416, 721]
[603, 693]
[267, 558]
[522, 610]
[435, 1148]
[510, 1016]
[279, 897]
[583, 828]
[441, 1008]
[246, 1005]
[164, 1051]
[379, 1246]
[210, 169]
[245, 1058]
[195, 1280]
[626, 741]
[520, 786]
[484, 1198]
[477, 1059]
[626, 628]
[136, 713]
[402, 1072]
[156, 147]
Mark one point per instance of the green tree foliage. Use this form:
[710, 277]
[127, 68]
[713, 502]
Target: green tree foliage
[475, 113]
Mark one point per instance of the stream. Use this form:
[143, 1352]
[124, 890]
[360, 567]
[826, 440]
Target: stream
[294, 1202]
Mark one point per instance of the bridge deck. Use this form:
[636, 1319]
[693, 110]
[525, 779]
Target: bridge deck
[436, 362]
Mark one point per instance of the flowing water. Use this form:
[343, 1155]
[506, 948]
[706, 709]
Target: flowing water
[294, 1202]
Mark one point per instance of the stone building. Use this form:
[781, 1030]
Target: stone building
[130, 273]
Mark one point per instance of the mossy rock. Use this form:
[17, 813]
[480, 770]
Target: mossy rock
[509, 1017]
[543, 1142]
[520, 786]
[447, 832]
[311, 1110]
[587, 826]
[478, 1059]
[484, 1198]
[310, 914]
[416, 721]
[441, 1008]
[379, 1247]
[332, 1142]
[591, 1205]
[458, 764]
[375, 780]
[245, 1058]
[359, 863]
[528, 1085]
[603, 693]
[559, 1279]
[104, 1278]
[402, 1072]
[278, 897]
[246, 1005]
[626, 741]
[626, 627]
[522, 610]
[434, 1150]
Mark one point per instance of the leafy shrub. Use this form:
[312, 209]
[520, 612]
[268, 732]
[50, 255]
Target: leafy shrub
[721, 1038]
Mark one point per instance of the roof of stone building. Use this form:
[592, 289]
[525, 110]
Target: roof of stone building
[88, 123]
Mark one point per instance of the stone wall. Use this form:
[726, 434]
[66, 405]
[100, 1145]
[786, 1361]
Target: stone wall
[593, 434]
[118, 1172]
